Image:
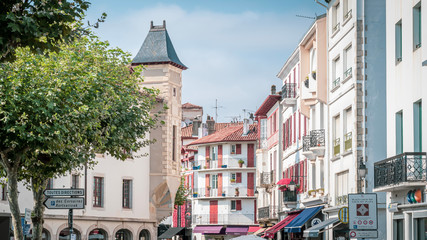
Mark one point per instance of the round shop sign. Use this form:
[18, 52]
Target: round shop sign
[315, 221]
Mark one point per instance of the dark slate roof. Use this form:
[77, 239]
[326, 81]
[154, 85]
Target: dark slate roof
[157, 48]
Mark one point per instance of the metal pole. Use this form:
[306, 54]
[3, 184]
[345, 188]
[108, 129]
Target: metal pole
[70, 221]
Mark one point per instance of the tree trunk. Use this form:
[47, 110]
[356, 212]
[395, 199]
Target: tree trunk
[12, 197]
[37, 214]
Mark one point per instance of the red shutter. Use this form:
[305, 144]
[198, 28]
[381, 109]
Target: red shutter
[250, 184]
[298, 80]
[251, 153]
[219, 156]
[207, 180]
[207, 155]
[284, 135]
[238, 148]
[238, 177]
[238, 205]
[290, 131]
[299, 125]
[255, 209]
[213, 212]
[219, 184]
[295, 126]
[305, 126]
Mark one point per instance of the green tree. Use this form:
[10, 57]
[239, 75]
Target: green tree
[38, 24]
[58, 110]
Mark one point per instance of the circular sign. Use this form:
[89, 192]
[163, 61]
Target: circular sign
[343, 215]
[315, 221]
[352, 234]
[365, 222]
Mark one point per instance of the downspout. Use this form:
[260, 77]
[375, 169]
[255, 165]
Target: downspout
[279, 172]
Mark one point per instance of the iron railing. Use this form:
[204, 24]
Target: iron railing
[337, 146]
[317, 138]
[288, 90]
[405, 167]
[336, 83]
[341, 200]
[229, 191]
[347, 15]
[266, 178]
[289, 196]
[269, 212]
[217, 164]
[306, 141]
[234, 217]
[348, 141]
[336, 28]
[348, 73]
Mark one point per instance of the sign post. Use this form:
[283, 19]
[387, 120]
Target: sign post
[363, 215]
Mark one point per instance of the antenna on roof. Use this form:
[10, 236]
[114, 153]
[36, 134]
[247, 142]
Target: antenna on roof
[216, 109]
[246, 110]
[301, 16]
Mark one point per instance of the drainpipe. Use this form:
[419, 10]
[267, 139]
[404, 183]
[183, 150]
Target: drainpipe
[279, 205]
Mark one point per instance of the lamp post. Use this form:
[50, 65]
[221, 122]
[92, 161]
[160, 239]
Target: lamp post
[292, 185]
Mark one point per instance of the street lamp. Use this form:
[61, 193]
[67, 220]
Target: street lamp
[362, 170]
[292, 185]
[256, 193]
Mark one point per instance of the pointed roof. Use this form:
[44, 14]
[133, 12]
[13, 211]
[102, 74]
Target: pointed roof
[157, 49]
[232, 133]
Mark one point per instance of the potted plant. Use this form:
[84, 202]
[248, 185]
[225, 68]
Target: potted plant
[321, 191]
[313, 74]
[236, 193]
[306, 82]
[223, 194]
[224, 166]
[241, 162]
[312, 193]
[195, 194]
[208, 158]
[232, 180]
[205, 167]
[283, 188]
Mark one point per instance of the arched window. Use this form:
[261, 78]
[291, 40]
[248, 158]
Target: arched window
[45, 235]
[144, 235]
[65, 234]
[98, 234]
[123, 234]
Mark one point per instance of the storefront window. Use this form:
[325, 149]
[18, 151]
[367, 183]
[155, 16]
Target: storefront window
[398, 229]
[98, 234]
[421, 228]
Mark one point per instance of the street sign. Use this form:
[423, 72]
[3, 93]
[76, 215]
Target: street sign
[27, 215]
[343, 215]
[315, 221]
[363, 233]
[362, 210]
[64, 203]
[64, 192]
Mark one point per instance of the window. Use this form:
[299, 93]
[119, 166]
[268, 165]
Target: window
[233, 178]
[399, 132]
[346, 10]
[335, 18]
[174, 92]
[336, 73]
[214, 152]
[127, 193]
[313, 59]
[398, 41]
[336, 126]
[75, 181]
[398, 229]
[341, 188]
[416, 11]
[233, 149]
[98, 191]
[274, 123]
[236, 205]
[3, 192]
[418, 127]
[174, 143]
[214, 181]
[348, 62]
[420, 228]
[348, 126]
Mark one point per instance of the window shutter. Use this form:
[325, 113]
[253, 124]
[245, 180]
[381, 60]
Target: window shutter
[238, 177]
[207, 154]
[295, 126]
[250, 184]
[299, 125]
[284, 136]
[290, 131]
[305, 126]
[219, 184]
[207, 180]
[238, 205]
[238, 148]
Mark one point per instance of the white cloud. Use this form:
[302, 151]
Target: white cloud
[232, 57]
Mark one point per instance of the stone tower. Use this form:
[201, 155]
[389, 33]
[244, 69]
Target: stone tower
[163, 71]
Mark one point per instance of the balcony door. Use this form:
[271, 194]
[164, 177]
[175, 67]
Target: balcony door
[213, 212]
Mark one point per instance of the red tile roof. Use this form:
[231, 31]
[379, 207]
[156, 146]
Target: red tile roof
[232, 133]
[187, 132]
[267, 105]
[189, 105]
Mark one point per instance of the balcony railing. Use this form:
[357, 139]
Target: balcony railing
[306, 141]
[403, 168]
[289, 196]
[288, 90]
[214, 164]
[317, 138]
[347, 15]
[269, 212]
[229, 191]
[234, 218]
[336, 28]
[348, 141]
[341, 200]
[266, 178]
[336, 83]
[337, 146]
[348, 73]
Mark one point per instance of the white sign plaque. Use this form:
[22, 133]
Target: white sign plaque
[64, 192]
[363, 234]
[64, 203]
[362, 210]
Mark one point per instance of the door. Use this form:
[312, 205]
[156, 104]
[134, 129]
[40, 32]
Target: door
[213, 212]
[251, 155]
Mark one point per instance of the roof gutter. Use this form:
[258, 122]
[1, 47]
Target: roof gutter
[317, 1]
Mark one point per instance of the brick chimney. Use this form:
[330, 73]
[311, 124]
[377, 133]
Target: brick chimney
[197, 123]
[211, 125]
[273, 89]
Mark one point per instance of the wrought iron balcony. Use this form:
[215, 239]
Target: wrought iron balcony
[401, 171]
[336, 83]
[269, 212]
[306, 141]
[317, 138]
[289, 196]
[337, 146]
[348, 142]
[315, 143]
[267, 178]
[341, 200]
[348, 73]
[234, 217]
[288, 90]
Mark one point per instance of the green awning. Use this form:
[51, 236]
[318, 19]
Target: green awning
[171, 232]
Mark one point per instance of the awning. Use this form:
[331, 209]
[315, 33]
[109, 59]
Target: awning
[314, 231]
[207, 229]
[301, 219]
[270, 233]
[171, 232]
[253, 229]
[236, 230]
[261, 230]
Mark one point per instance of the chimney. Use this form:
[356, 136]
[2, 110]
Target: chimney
[211, 125]
[245, 126]
[196, 124]
[273, 89]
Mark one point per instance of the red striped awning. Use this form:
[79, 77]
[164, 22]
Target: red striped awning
[270, 233]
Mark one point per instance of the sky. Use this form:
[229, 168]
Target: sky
[233, 49]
